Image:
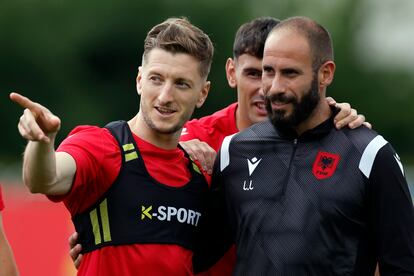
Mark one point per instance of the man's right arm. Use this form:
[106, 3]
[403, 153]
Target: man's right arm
[44, 170]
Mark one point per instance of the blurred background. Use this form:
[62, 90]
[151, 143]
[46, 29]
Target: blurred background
[80, 59]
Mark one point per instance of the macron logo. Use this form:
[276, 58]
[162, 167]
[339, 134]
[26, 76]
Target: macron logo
[253, 164]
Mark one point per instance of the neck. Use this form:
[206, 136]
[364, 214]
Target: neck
[321, 113]
[241, 121]
[162, 140]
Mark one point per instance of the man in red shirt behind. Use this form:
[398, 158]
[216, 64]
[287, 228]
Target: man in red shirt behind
[136, 199]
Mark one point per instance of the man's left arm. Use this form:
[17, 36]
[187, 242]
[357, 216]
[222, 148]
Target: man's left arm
[391, 214]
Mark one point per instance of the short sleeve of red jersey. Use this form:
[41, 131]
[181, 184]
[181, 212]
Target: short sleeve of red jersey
[1, 201]
[98, 161]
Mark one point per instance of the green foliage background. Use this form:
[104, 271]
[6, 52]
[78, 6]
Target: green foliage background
[80, 59]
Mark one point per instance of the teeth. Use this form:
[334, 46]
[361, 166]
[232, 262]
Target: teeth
[164, 110]
[260, 105]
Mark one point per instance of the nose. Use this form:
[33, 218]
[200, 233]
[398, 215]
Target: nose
[273, 85]
[166, 93]
[261, 92]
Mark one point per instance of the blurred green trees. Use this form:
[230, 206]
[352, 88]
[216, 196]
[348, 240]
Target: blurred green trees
[80, 59]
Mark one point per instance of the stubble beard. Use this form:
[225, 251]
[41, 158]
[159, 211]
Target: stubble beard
[171, 130]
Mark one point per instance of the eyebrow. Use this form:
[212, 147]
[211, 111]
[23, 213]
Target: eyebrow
[267, 67]
[291, 69]
[185, 80]
[252, 69]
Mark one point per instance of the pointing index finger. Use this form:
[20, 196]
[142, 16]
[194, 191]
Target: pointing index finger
[24, 102]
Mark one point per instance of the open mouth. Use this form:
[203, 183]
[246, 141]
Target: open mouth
[279, 104]
[164, 110]
[260, 107]
[281, 101]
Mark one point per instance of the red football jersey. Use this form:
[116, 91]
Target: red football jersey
[98, 161]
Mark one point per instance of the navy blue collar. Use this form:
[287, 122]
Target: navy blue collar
[315, 133]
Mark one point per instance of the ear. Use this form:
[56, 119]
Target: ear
[203, 95]
[326, 73]
[138, 80]
[231, 73]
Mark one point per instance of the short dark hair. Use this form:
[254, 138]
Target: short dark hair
[319, 39]
[178, 35]
[251, 36]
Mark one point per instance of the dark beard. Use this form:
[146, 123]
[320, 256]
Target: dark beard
[301, 110]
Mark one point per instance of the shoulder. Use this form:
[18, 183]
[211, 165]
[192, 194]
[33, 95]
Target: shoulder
[257, 139]
[375, 151]
[89, 143]
[362, 137]
[86, 134]
[260, 132]
[87, 130]
[379, 155]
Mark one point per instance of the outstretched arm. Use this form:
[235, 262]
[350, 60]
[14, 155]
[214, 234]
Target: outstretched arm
[44, 170]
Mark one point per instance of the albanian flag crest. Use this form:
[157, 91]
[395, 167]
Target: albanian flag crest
[325, 164]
